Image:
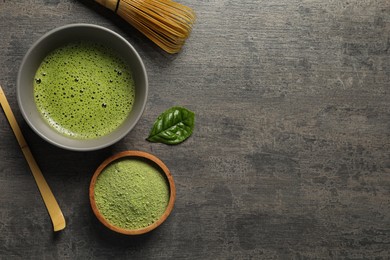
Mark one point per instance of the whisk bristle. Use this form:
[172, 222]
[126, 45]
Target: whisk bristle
[165, 22]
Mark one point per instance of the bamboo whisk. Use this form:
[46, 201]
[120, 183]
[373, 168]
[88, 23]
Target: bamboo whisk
[165, 22]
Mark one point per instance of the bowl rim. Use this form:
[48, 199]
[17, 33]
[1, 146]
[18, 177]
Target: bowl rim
[65, 145]
[141, 155]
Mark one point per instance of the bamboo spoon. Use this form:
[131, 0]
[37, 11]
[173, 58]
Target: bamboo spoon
[51, 203]
[167, 23]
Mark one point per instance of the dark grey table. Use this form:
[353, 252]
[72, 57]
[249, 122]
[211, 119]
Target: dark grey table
[290, 158]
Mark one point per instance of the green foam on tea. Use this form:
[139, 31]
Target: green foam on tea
[84, 90]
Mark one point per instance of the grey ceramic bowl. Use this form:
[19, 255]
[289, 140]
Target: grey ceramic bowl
[57, 38]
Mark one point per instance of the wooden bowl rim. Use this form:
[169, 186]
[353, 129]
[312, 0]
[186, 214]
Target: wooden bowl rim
[143, 155]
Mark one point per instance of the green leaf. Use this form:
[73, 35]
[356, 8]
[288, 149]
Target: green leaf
[173, 126]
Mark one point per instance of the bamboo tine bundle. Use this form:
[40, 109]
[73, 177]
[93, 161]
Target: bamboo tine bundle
[167, 23]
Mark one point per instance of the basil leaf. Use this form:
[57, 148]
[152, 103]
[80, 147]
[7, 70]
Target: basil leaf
[173, 126]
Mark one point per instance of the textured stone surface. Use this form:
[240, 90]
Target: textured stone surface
[290, 158]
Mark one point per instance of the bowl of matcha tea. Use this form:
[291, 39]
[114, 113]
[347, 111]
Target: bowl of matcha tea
[132, 192]
[82, 87]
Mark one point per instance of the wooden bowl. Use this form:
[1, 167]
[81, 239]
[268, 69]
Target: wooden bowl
[148, 158]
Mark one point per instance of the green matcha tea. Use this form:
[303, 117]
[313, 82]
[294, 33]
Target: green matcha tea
[131, 193]
[84, 90]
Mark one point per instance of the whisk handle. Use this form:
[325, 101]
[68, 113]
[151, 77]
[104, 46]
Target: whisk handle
[113, 5]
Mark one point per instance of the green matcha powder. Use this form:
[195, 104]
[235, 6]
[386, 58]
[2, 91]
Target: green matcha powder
[131, 194]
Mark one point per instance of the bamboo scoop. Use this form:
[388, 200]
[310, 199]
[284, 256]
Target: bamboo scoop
[167, 23]
[51, 203]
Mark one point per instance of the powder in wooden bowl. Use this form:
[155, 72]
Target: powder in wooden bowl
[131, 193]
